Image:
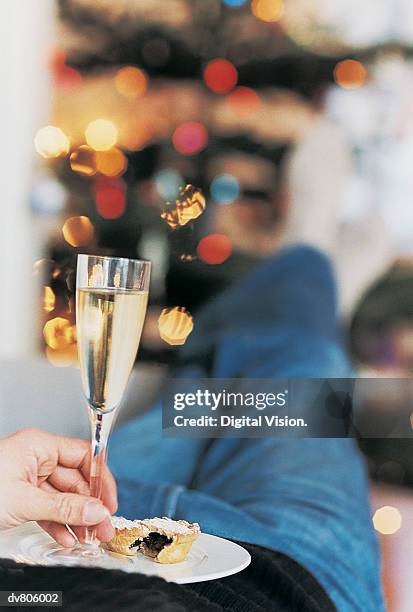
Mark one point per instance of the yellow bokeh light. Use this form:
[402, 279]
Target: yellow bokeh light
[83, 160]
[350, 74]
[131, 82]
[111, 162]
[51, 141]
[101, 134]
[387, 520]
[59, 333]
[268, 10]
[78, 231]
[49, 299]
[175, 325]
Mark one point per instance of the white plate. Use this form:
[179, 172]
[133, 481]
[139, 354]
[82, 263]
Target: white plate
[210, 557]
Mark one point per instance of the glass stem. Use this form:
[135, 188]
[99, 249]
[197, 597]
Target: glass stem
[100, 425]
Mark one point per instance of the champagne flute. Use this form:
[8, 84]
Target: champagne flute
[111, 301]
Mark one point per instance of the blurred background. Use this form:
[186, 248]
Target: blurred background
[291, 119]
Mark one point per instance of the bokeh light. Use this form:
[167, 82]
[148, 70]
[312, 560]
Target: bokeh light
[64, 76]
[234, 3]
[110, 195]
[49, 299]
[83, 160]
[224, 188]
[168, 182]
[190, 137]
[78, 231]
[243, 101]
[220, 75]
[112, 162]
[59, 332]
[214, 249]
[101, 134]
[51, 141]
[350, 74]
[131, 82]
[48, 196]
[175, 325]
[268, 10]
[387, 520]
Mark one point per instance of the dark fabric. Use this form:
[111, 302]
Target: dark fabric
[272, 583]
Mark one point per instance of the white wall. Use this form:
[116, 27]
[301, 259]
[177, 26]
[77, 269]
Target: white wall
[26, 34]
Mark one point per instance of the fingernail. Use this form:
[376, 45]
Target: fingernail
[94, 513]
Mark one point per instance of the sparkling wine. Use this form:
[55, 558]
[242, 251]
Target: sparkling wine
[109, 326]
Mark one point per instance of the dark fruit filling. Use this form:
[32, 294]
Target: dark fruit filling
[136, 544]
[152, 544]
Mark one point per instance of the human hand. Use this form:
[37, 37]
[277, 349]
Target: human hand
[45, 478]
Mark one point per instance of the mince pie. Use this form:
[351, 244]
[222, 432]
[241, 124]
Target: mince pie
[161, 539]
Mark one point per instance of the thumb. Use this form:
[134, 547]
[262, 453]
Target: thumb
[65, 508]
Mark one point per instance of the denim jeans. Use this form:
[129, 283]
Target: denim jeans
[307, 498]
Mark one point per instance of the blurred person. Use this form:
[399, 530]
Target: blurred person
[305, 498]
[45, 479]
[314, 177]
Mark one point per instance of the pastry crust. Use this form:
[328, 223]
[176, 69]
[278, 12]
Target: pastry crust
[161, 539]
[127, 533]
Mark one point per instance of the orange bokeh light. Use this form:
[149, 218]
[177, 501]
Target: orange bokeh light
[83, 160]
[49, 299]
[268, 10]
[350, 74]
[243, 101]
[112, 162]
[78, 231]
[190, 137]
[131, 82]
[220, 75]
[110, 195]
[59, 333]
[214, 249]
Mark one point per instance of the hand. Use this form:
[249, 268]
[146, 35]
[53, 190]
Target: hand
[44, 478]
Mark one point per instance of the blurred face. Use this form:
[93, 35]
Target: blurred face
[251, 219]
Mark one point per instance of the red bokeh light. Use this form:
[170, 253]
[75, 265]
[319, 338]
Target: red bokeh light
[110, 196]
[244, 101]
[64, 76]
[220, 75]
[214, 249]
[190, 137]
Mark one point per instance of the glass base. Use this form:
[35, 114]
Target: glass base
[85, 555]
[81, 554]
